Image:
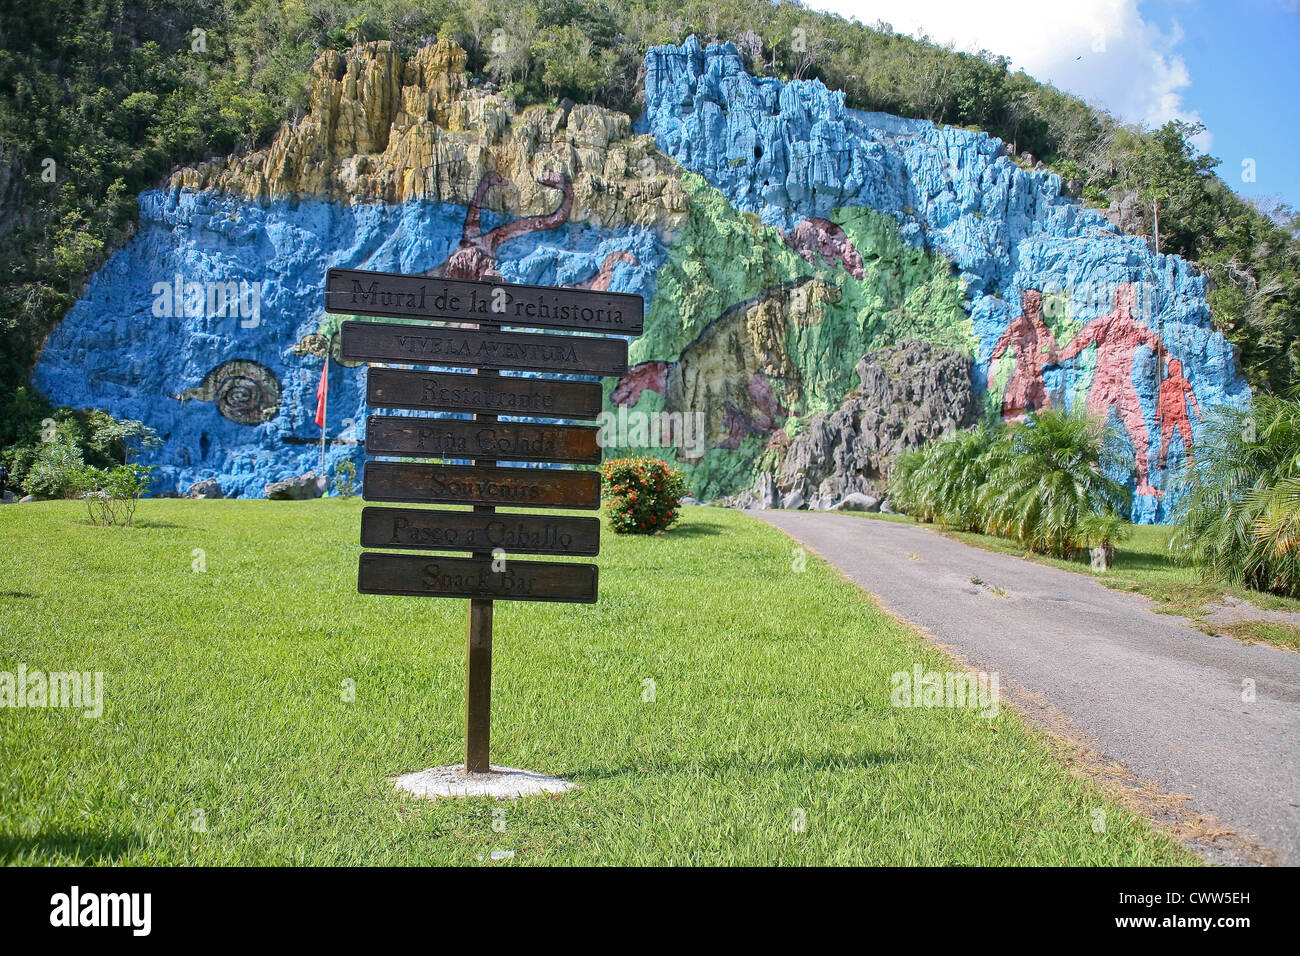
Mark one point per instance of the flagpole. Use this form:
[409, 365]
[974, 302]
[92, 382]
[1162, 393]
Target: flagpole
[325, 403]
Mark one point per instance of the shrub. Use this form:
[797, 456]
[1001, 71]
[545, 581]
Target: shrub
[1038, 483]
[1239, 519]
[54, 470]
[941, 481]
[642, 495]
[345, 478]
[111, 494]
[1049, 478]
[53, 448]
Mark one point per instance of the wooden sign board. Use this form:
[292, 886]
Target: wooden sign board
[408, 436]
[485, 575]
[432, 530]
[358, 292]
[449, 346]
[434, 575]
[438, 484]
[496, 395]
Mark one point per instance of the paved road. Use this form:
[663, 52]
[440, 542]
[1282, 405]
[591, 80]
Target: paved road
[1143, 688]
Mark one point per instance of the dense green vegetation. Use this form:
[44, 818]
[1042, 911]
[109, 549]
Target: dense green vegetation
[70, 448]
[101, 98]
[1039, 483]
[1240, 520]
[707, 720]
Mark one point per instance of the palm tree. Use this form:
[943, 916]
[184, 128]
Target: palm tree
[1100, 532]
[1239, 519]
[940, 481]
[904, 477]
[1049, 477]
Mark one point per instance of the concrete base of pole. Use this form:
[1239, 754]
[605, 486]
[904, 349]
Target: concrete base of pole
[503, 783]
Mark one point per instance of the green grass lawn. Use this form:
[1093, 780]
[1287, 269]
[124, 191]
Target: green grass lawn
[223, 696]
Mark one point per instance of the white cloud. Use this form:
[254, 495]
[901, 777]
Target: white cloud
[1101, 50]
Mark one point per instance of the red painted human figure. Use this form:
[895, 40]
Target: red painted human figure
[1117, 337]
[1034, 347]
[1171, 411]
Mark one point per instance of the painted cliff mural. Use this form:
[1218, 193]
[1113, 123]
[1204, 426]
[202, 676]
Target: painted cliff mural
[775, 235]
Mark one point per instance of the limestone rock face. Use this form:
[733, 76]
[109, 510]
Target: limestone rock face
[775, 236]
[380, 130]
[792, 153]
[909, 394]
[739, 373]
[765, 494]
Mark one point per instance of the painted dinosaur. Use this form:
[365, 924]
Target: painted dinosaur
[600, 282]
[476, 255]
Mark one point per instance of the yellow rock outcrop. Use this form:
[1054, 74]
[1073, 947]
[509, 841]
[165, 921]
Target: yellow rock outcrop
[380, 129]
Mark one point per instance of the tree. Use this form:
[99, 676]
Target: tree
[1050, 479]
[1239, 515]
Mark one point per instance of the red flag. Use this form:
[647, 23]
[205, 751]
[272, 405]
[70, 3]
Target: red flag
[321, 391]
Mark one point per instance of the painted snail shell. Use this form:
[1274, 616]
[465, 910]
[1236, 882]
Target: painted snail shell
[245, 392]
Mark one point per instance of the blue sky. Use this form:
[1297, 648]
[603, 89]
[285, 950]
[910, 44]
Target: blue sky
[1234, 66]
[1244, 68]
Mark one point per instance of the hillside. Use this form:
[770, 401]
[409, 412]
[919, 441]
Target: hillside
[883, 227]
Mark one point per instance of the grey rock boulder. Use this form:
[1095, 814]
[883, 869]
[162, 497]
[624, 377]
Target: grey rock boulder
[298, 488]
[792, 502]
[857, 501]
[208, 488]
[908, 394]
[765, 492]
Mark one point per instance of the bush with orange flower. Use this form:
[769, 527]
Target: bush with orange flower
[642, 495]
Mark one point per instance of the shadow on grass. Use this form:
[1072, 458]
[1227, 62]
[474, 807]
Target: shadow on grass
[80, 845]
[1144, 562]
[696, 529]
[710, 766]
[16, 594]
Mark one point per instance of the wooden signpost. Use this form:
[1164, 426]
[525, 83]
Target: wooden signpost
[452, 438]
[484, 576]
[450, 346]
[354, 292]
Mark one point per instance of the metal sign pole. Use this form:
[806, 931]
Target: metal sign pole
[478, 685]
[478, 646]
